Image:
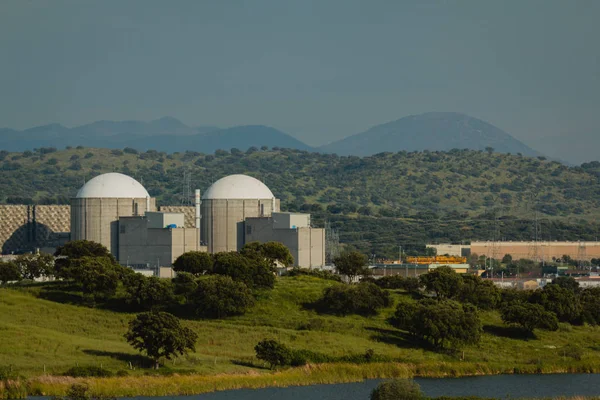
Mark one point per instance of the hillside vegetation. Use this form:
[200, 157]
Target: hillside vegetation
[42, 337]
[458, 195]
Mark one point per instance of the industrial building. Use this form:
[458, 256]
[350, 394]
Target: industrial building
[533, 250]
[117, 211]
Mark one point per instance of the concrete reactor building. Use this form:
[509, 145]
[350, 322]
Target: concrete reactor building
[98, 205]
[226, 205]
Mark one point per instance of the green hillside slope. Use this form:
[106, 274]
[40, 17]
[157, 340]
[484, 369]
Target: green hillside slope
[40, 334]
[423, 196]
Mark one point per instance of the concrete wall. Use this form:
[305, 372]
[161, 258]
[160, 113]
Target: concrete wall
[189, 213]
[25, 228]
[541, 251]
[222, 224]
[96, 219]
[307, 245]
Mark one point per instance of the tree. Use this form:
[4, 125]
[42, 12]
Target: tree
[68, 256]
[272, 251]
[148, 293]
[529, 316]
[9, 272]
[567, 282]
[397, 389]
[98, 277]
[33, 266]
[255, 272]
[483, 294]
[194, 262]
[590, 304]
[221, 296]
[184, 284]
[443, 281]
[365, 298]
[273, 352]
[507, 259]
[562, 302]
[442, 323]
[159, 334]
[351, 264]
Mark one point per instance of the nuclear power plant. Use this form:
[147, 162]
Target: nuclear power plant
[117, 211]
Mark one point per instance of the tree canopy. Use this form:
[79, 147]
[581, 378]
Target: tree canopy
[160, 334]
[194, 262]
[443, 281]
[352, 264]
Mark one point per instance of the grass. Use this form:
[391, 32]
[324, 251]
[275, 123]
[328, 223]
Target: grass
[42, 339]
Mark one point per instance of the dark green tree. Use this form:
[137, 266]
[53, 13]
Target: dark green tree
[148, 293]
[9, 272]
[529, 316]
[443, 281]
[255, 272]
[68, 256]
[365, 298]
[397, 389]
[221, 296]
[160, 334]
[272, 251]
[590, 304]
[442, 323]
[184, 284]
[559, 300]
[483, 294]
[194, 262]
[567, 282]
[352, 264]
[273, 352]
[98, 277]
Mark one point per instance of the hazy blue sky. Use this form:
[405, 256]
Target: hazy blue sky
[319, 70]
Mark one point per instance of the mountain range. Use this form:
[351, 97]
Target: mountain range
[430, 131]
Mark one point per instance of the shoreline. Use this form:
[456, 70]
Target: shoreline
[193, 384]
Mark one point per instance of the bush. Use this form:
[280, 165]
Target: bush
[441, 323]
[364, 299]
[572, 351]
[194, 262]
[221, 296]
[529, 316]
[273, 352]
[322, 274]
[398, 389]
[88, 371]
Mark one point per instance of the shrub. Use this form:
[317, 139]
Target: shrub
[194, 262]
[529, 316]
[441, 323]
[322, 274]
[88, 371]
[397, 389]
[364, 299]
[273, 352]
[221, 296]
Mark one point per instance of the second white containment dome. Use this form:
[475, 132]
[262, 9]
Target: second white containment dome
[225, 206]
[238, 187]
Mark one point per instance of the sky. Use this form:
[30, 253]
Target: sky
[318, 70]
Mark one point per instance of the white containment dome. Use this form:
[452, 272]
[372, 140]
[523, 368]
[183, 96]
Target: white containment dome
[112, 185]
[238, 187]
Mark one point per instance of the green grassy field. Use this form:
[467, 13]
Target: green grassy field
[42, 338]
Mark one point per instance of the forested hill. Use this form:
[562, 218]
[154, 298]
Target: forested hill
[423, 196]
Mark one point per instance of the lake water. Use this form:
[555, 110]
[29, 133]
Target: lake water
[498, 386]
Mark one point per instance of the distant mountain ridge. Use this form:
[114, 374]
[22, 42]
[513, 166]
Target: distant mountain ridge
[433, 131]
[165, 134]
